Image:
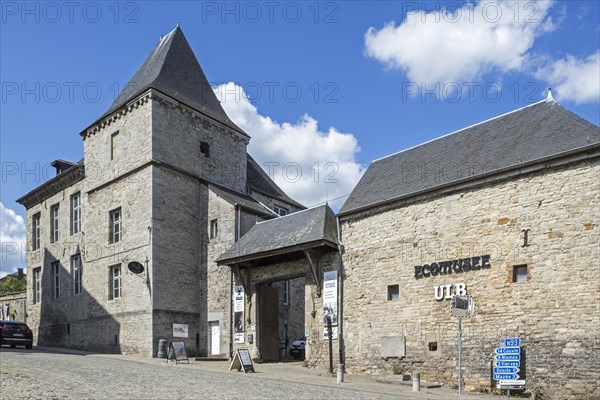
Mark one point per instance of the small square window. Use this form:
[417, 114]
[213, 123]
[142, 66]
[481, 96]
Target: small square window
[214, 228]
[432, 346]
[205, 149]
[393, 292]
[519, 273]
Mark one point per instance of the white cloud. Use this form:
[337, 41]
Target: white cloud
[574, 79]
[12, 241]
[311, 165]
[461, 44]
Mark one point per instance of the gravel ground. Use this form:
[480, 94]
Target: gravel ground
[44, 373]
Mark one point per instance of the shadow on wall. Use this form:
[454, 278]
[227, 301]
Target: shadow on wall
[69, 315]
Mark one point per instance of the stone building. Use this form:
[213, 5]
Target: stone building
[165, 183]
[506, 211]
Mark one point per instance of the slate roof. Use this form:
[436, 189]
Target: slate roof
[242, 200]
[303, 229]
[172, 68]
[257, 179]
[525, 136]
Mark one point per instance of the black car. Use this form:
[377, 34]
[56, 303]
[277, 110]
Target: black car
[297, 349]
[15, 334]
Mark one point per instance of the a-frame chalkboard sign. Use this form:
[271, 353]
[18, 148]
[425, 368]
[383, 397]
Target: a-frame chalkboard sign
[178, 350]
[241, 360]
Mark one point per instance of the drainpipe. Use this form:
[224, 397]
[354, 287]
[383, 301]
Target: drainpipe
[340, 370]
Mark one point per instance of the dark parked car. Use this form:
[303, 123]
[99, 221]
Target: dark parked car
[15, 334]
[297, 348]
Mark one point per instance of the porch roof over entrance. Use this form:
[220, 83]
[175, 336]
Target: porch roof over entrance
[303, 230]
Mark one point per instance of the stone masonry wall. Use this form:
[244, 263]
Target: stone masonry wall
[555, 311]
[177, 138]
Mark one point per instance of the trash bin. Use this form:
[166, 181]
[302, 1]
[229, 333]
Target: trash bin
[162, 348]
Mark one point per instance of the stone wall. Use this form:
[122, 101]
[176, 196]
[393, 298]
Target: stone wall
[555, 311]
[14, 302]
[177, 136]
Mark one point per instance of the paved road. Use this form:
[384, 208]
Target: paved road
[53, 374]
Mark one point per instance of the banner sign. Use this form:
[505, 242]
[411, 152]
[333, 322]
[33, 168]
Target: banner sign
[238, 311]
[330, 303]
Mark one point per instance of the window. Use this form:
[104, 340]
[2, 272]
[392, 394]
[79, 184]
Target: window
[37, 285]
[75, 213]
[77, 273]
[54, 223]
[36, 231]
[114, 145]
[115, 281]
[116, 231]
[432, 346]
[286, 292]
[214, 228]
[56, 278]
[280, 211]
[519, 273]
[393, 292]
[205, 149]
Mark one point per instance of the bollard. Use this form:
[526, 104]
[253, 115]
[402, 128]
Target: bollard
[416, 382]
[340, 373]
[162, 349]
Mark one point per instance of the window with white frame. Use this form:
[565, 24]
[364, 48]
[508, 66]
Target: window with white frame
[56, 279]
[77, 272]
[214, 228]
[115, 282]
[36, 231]
[280, 210]
[54, 222]
[75, 213]
[37, 285]
[116, 226]
[286, 292]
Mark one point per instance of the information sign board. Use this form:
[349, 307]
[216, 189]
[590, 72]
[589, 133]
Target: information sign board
[242, 360]
[178, 349]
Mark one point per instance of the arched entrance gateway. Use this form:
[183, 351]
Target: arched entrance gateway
[279, 268]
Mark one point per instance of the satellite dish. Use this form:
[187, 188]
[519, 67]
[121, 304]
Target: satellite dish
[135, 267]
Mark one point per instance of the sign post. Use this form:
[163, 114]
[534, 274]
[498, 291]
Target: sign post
[462, 306]
[507, 365]
[242, 360]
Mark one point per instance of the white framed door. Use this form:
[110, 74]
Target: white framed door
[215, 337]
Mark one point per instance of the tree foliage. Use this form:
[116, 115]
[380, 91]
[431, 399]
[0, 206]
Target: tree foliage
[12, 285]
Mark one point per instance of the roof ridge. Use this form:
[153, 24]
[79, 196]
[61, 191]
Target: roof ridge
[546, 100]
[292, 214]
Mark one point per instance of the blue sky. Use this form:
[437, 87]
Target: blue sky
[328, 86]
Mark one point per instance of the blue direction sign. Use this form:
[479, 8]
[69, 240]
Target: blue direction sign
[506, 370]
[508, 350]
[508, 357]
[505, 377]
[512, 342]
[507, 363]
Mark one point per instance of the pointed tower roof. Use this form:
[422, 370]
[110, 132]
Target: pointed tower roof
[172, 68]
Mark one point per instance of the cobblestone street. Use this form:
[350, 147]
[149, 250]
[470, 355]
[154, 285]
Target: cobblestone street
[55, 374]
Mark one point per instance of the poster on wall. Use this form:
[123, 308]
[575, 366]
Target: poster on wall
[180, 330]
[330, 306]
[238, 337]
[238, 310]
